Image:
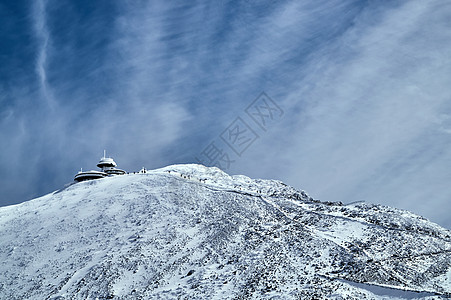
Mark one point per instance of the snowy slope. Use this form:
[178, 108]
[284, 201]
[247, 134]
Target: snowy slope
[187, 231]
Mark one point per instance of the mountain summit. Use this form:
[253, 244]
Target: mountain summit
[188, 231]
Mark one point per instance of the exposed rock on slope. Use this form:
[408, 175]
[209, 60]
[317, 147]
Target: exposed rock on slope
[189, 231]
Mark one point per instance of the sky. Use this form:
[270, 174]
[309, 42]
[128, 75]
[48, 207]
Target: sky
[349, 100]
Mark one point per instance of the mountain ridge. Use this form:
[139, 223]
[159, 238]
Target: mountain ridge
[187, 231]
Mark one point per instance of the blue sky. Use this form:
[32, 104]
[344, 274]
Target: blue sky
[364, 87]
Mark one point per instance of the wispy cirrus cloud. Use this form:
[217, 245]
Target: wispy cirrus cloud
[368, 103]
[43, 40]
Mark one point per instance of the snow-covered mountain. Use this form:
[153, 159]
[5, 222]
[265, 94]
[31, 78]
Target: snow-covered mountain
[187, 231]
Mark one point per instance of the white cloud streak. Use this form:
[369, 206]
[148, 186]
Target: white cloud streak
[43, 37]
[367, 128]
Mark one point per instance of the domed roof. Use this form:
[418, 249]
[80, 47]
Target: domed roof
[106, 162]
[89, 175]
